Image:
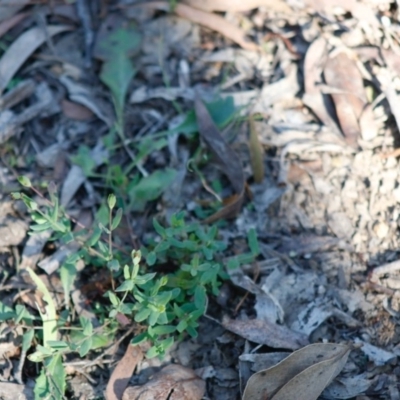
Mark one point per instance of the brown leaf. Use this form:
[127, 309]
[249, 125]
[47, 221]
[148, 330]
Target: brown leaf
[75, 111]
[8, 24]
[228, 159]
[209, 20]
[267, 333]
[344, 79]
[239, 5]
[301, 376]
[313, 98]
[173, 382]
[122, 373]
[256, 152]
[22, 48]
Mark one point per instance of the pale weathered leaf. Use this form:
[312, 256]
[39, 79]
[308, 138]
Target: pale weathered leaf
[122, 373]
[301, 376]
[268, 333]
[22, 48]
[239, 5]
[173, 382]
[210, 20]
[228, 159]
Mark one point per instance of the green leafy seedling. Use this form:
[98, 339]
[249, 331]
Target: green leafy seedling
[117, 71]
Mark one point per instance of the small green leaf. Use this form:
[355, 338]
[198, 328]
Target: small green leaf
[117, 74]
[150, 188]
[58, 344]
[94, 238]
[200, 298]
[25, 181]
[86, 325]
[27, 340]
[126, 286]
[158, 228]
[253, 242]
[113, 265]
[161, 330]
[86, 346]
[162, 246]
[142, 315]
[6, 312]
[16, 195]
[233, 263]
[140, 338]
[117, 219]
[151, 258]
[113, 298]
[181, 326]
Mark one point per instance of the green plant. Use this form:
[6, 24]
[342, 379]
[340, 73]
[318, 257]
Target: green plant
[167, 304]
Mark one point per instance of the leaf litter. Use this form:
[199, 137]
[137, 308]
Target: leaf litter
[304, 113]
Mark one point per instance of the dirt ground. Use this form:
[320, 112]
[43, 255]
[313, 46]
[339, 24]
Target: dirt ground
[304, 94]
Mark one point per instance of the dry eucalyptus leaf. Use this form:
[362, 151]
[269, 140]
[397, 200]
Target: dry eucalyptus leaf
[301, 376]
[173, 382]
[123, 371]
[22, 48]
[313, 98]
[210, 20]
[347, 91]
[263, 332]
[227, 158]
[239, 5]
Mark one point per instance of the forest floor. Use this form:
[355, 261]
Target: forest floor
[128, 126]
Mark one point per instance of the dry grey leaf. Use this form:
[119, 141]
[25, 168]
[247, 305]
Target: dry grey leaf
[375, 354]
[313, 98]
[123, 371]
[267, 333]
[81, 94]
[173, 382]
[348, 388]
[301, 376]
[22, 48]
[210, 20]
[18, 93]
[8, 9]
[344, 78]
[76, 176]
[230, 162]
[11, 124]
[239, 5]
[8, 24]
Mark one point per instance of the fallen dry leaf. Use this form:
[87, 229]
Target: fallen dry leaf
[75, 111]
[209, 20]
[9, 8]
[239, 5]
[22, 48]
[301, 376]
[267, 333]
[7, 24]
[173, 382]
[256, 152]
[122, 373]
[228, 159]
[313, 98]
[347, 91]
